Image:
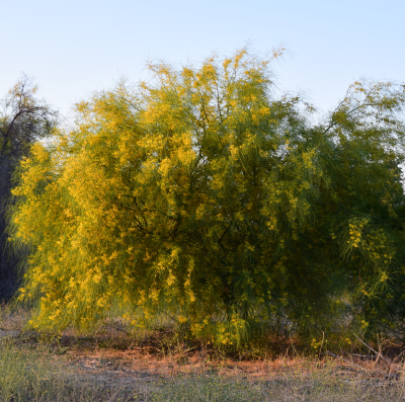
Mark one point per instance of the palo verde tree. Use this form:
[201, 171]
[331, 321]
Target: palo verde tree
[201, 196]
[23, 120]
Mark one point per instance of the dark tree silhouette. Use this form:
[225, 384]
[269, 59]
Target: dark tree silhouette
[24, 119]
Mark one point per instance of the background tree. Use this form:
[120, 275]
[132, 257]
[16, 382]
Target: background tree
[23, 120]
[202, 196]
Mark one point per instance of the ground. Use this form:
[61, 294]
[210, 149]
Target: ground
[114, 365]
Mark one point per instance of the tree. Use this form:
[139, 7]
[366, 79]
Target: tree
[23, 120]
[201, 196]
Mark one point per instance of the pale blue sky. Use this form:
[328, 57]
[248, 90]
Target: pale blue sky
[75, 47]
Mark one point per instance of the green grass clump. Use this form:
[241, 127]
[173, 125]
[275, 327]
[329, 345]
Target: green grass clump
[33, 375]
[207, 389]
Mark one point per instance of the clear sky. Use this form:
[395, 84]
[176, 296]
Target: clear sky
[74, 47]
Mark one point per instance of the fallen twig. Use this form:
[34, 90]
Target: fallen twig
[377, 353]
[347, 361]
[388, 376]
[372, 357]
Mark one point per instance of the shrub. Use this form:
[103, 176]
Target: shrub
[202, 196]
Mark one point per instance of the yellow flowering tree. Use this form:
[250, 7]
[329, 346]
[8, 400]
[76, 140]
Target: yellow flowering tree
[24, 119]
[201, 196]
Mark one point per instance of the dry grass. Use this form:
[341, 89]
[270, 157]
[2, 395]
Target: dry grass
[112, 366]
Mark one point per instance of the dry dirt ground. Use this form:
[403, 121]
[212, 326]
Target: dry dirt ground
[114, 359]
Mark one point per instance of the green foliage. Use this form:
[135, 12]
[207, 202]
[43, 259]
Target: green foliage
[202, 196]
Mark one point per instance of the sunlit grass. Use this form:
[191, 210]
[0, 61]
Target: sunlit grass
[28, 374]
[115, 366]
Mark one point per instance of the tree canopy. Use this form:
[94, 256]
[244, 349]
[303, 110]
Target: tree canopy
[24, 119]
[201, 195]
